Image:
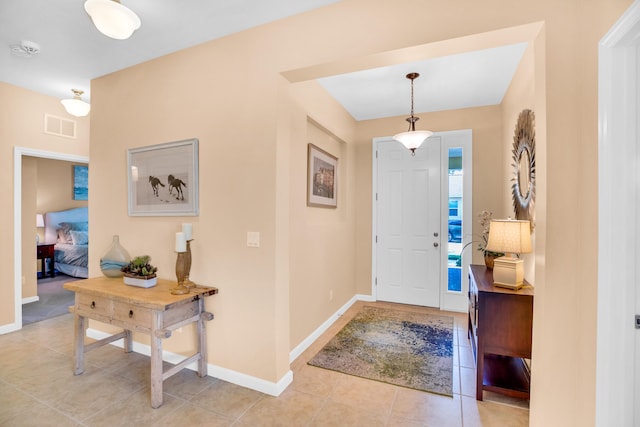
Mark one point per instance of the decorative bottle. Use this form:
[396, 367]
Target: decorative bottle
[114, 259]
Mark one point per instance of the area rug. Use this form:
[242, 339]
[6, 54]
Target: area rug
[397, 347]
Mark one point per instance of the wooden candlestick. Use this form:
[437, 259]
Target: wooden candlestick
[187, 282]
[181, 273]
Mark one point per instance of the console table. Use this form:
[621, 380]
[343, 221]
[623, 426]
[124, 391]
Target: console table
[500, 331]
[154, 311]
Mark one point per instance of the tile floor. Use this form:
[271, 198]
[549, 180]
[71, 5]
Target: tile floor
[37, 388]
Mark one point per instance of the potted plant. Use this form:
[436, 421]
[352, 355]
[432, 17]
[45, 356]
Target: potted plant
[489, 256]
[139, 272]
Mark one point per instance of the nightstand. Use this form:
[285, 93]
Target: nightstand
[44, 252]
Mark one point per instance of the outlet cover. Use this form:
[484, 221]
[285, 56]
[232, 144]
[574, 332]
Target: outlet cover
[253, 239]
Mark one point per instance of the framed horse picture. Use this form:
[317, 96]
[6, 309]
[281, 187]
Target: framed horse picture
[163, 179]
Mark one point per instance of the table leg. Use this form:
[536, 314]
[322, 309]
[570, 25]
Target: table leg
[128, 341]
[479, 372]
[156, 360]
[202, 340]
[78, 343]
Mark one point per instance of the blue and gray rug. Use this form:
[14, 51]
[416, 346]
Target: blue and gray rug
[397, 347]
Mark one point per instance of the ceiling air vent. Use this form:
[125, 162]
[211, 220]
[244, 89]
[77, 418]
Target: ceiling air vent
[25, 49]
[54, 125]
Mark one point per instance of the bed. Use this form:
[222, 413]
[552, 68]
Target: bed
[68, 229]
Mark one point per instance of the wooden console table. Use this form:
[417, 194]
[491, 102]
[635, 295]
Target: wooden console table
[154, 311]
[500, 330]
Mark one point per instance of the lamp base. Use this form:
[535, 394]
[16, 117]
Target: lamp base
[508, 273]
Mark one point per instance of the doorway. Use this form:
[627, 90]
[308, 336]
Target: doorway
[19, 152]
[417, 257]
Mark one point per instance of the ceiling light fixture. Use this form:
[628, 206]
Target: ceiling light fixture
[76, 106]
[112, 19]
[412, 139]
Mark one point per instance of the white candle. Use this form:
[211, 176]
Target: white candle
[181, 242]
[187, 229]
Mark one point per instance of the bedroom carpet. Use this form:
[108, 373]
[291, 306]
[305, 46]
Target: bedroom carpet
[54, 300]
[412, 350]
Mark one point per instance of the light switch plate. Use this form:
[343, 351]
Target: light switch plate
[253, 239]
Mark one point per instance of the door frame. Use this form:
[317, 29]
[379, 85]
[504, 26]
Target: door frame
[618, 229]
[18, 153]
[451, 301]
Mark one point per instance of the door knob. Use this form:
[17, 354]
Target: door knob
[435, 234]
[435, 244]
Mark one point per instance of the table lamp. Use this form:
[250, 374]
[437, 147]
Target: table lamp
[39, 224]
[512, 237]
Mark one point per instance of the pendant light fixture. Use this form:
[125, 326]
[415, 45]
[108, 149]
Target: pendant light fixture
[112, 19]
[76, 106]
[412, 139]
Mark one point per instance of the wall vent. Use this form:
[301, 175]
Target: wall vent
[54, 125]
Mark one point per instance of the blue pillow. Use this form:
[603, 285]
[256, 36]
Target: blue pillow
[79, 237]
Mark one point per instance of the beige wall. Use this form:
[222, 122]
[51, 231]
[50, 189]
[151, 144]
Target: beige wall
[322, 244]
[519, 96]
[29, 229]
[22, 117]
[55, 186]
[229, 93]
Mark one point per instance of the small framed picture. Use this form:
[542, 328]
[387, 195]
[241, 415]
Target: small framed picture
[163, 179]
[322, 178]
[80, 182]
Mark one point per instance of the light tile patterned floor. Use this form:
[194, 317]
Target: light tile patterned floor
[37, 388]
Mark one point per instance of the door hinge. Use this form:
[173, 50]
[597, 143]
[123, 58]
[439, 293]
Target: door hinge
[376, 239]
[376, 281]
[637, 321]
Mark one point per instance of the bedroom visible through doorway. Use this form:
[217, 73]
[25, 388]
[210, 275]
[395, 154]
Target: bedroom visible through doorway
[27, 205]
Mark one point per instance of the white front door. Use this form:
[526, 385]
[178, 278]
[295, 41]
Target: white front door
[408, 223]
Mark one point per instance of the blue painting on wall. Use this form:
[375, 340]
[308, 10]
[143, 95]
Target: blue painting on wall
[80, 182]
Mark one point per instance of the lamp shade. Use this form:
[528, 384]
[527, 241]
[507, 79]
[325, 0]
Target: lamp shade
[76, 107]
[112, 19]
[509, 236]
[39, 220]
[412, 139]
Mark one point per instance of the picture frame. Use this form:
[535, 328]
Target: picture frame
[322, 178]
[80, 182]
[163, 179]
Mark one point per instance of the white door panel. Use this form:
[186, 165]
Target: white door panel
[408, 253]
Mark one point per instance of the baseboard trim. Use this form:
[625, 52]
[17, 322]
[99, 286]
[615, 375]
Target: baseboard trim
[238, 378]
[30, 300]
[11, 327]
[300, 348]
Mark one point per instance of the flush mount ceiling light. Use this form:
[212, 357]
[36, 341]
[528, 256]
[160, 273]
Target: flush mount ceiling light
[412, 139]
[112, 19]
[76, 106]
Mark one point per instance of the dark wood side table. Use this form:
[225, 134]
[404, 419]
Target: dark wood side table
[500, 331]
[44, 252]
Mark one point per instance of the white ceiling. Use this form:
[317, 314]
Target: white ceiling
[73, 52]
[472, 79]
